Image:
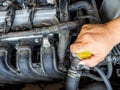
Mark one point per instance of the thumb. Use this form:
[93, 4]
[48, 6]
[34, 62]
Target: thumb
[91, 62]
[78, 47]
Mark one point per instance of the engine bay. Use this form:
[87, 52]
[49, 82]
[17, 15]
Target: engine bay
[35, 39]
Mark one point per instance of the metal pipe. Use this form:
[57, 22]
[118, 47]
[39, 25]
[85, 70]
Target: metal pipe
[4, 69]
[3, 78]
[49, 63]
[14, 36]
[24, 65]
[64, 34]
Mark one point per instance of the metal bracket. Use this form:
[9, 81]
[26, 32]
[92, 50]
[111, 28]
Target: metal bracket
[46, 43]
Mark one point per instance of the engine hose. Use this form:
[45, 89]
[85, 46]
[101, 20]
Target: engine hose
[82, 4]
[109, 67]
[108, 75]
[90, 17]
[106, 81]
[74, 75]
[87, 7]
[72, 83]
[73, 80]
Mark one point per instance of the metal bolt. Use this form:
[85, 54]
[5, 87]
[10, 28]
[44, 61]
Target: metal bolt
[36, 40]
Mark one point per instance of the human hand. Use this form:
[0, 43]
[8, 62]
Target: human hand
[98, 39]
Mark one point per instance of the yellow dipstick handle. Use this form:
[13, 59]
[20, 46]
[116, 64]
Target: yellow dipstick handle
[84, 55]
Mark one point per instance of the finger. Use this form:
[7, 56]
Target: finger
[80, 47]
[87, 26]
[93, 61]
[76, 47]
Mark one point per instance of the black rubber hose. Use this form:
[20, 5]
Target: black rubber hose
[109, 67]
[94, 4]
[109, 72]
[106, 81]
[92, 76]
[73, 79]
[87, 7]
[72, 83]
[82, 4]
[90, 17]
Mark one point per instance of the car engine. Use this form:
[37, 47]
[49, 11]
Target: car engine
[35, 36]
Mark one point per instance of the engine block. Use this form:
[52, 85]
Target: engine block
[35, 36]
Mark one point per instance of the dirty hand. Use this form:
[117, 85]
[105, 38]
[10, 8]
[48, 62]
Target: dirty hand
[98, 39]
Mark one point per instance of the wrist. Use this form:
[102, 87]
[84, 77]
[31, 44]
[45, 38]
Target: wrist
[114, 29]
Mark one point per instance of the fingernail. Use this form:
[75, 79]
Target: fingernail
[82, 63]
